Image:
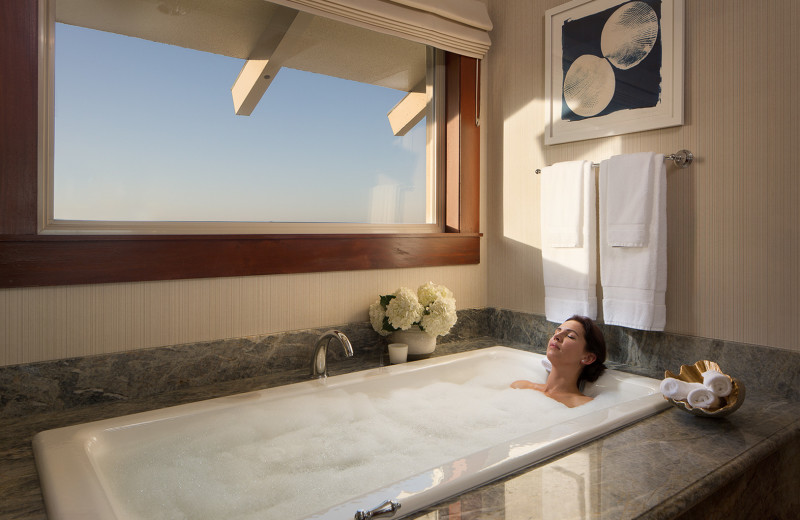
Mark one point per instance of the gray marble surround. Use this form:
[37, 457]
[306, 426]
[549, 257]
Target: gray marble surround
[667, 466]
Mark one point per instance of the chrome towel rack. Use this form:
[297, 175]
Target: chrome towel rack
[681, 158]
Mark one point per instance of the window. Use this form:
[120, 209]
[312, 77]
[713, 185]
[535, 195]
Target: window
[28, 258]
[147, 138]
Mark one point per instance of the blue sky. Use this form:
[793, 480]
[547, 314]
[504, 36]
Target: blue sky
[148, 131]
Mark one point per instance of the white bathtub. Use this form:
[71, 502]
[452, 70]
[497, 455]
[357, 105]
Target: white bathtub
[415, 433]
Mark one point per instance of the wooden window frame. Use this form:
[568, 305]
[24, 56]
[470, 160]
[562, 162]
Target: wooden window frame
[30, 259]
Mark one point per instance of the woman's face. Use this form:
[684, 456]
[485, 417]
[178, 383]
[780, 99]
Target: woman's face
[568, 344]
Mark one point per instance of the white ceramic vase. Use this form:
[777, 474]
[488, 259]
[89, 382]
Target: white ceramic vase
[419, 342]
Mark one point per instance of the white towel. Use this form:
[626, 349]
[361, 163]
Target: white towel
[702, 398]
[629, 204]
[635, 278]
[677, 389]
[570, 273]
[562, 213]
[547, 364]
[718, 383]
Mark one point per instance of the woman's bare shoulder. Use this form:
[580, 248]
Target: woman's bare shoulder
[573, 400]
[523, 383]
[570, 400]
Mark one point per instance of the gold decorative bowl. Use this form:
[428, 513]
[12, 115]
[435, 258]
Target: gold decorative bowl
[693, 374]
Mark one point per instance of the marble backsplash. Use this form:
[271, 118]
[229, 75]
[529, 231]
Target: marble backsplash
[76, 382]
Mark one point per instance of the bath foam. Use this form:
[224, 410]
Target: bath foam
[416, 433]
[291, 458]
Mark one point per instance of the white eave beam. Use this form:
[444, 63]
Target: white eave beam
[408, 112]
[273, 47]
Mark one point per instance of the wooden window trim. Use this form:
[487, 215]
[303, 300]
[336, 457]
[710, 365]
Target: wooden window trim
[30, 259]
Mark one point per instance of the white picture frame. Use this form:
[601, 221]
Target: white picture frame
[639, 100]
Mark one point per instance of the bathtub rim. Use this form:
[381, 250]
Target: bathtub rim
[69, 498]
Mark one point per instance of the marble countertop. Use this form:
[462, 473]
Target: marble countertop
[654, 469]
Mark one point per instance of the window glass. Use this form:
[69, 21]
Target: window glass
[53, 260]
[147, 131]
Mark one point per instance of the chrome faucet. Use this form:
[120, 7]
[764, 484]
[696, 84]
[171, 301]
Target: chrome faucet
[319, 363]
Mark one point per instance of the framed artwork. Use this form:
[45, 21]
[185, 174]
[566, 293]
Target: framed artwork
[612, 67]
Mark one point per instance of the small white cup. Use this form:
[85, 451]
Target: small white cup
[398, 353]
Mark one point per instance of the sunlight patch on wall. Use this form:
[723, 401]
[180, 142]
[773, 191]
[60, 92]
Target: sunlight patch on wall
[521, 152]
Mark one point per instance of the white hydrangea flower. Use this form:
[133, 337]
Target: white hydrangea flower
[440, 316]
[431, 308]
[376, 315]
[430, 292]
[404, 309]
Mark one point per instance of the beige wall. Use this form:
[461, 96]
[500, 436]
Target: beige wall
[58, 322]
[734, 216]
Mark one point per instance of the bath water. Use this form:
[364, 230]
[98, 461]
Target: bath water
[292, 457]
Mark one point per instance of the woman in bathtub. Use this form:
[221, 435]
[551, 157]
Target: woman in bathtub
[576, 351]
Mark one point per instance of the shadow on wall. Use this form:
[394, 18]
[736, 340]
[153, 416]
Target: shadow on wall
[518, 207]
[515, 149]
[520, 220]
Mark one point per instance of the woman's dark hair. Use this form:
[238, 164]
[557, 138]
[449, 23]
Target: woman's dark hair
[596, 344]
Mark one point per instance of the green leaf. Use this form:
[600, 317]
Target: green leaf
[385, 299]
[386, 325]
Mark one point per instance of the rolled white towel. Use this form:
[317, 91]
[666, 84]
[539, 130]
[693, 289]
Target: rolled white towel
[547, 364]
[677, 389]
[702, 398]
[718, 383]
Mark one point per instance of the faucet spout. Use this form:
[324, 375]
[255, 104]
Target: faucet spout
[319, 363]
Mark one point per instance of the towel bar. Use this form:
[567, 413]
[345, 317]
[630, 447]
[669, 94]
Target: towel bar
[681, 158]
